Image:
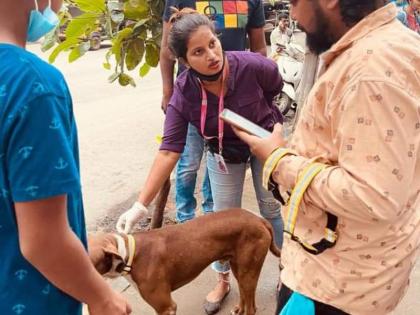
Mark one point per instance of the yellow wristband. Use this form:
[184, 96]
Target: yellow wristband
[271, 163]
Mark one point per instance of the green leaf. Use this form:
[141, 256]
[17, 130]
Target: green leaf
[97, 6]
[68, 43]
[74, 54]
[79, 51]
[82, 24]
[136, 9]
[144, 70]
[135, 52]
[157, 7]
[116, 45]
[107, 63]
[113, 77]
[125, 79]
[49, 40]
[152, 54]
[141, 23]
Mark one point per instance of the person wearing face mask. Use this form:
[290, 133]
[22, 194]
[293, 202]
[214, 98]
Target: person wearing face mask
[244, 82]
[409, 15]
[44, 266]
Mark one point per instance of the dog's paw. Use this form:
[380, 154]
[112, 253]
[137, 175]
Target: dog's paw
[237, 311]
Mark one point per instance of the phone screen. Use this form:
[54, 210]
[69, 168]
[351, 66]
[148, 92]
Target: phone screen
[244, 124]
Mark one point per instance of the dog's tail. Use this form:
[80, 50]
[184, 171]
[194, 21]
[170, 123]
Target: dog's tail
[273, 247]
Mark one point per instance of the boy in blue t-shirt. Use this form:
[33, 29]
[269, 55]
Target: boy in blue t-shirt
[44, 266]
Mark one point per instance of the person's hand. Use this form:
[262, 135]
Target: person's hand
[262, 148]
[128, 219]
[115, 304]
[165, 101]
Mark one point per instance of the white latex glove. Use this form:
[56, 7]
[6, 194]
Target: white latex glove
[128, 219]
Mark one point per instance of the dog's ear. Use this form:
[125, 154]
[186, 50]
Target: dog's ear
[104, 254]
[117, 263]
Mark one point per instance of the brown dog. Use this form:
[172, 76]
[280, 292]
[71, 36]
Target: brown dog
[166, 259]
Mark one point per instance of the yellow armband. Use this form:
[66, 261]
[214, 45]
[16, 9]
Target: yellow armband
[271, 163]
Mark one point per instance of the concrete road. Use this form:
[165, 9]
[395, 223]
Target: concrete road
[117, 130]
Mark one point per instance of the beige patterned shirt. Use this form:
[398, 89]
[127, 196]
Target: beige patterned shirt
[362, 117]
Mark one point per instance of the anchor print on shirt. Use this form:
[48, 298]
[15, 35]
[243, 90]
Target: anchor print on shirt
[55, 124]
[38, 88]
[32, 190]
[46, 290]
[25, 152]
[4, 193]
[61, 165]
[21, 274]
[18, 308]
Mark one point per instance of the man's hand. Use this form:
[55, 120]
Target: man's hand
[128, 219]
[115, 304]
[262, 148]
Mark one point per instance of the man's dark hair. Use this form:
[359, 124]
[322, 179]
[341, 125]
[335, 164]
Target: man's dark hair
[283, 16]
[354, 11]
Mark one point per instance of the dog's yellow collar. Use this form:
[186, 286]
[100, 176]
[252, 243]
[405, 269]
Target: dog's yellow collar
[126, 252]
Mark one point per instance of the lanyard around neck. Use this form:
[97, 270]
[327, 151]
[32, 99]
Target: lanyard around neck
[204, 112]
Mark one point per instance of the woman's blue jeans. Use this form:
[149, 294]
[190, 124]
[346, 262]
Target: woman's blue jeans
[186, 177]
[227, 193]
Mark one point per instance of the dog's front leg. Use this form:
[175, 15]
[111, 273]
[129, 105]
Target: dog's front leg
[159, 297]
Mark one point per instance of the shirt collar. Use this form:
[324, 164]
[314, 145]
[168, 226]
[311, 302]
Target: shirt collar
[370, 23]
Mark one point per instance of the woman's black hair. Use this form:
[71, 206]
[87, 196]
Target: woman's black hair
[354, 11]
[183, 23]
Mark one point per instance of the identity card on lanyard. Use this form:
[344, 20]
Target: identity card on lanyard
[221, 164]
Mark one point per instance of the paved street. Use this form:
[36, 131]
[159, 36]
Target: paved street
[117, 130]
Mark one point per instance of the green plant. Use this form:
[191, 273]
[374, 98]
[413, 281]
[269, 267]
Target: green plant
[134, 28]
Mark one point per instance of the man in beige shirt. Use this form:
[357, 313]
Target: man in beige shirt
[361, 121]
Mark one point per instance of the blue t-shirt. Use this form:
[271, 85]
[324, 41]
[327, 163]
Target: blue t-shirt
[232, 18]
[38, 160]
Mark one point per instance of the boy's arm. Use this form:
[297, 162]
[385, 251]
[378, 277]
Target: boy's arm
[48, 243]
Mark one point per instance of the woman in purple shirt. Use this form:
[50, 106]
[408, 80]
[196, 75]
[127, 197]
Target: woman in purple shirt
[243, 82]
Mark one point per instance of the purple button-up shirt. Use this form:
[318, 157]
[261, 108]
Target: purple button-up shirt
[253, 81]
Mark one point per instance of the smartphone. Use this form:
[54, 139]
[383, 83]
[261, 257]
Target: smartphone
[243, 123]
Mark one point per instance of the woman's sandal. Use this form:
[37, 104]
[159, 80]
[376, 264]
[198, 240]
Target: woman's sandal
[213, 307]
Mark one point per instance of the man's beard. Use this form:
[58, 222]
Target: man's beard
[319, 41]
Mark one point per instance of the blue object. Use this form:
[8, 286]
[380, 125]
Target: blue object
[41, 24]
[186, 176]
[298, 304]
[38, 160]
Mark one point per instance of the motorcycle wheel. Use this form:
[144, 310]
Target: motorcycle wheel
[284, 103]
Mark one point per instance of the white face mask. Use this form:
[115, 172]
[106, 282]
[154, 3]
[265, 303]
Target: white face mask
[41, 24]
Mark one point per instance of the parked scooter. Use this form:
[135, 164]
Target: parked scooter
[290, 63]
